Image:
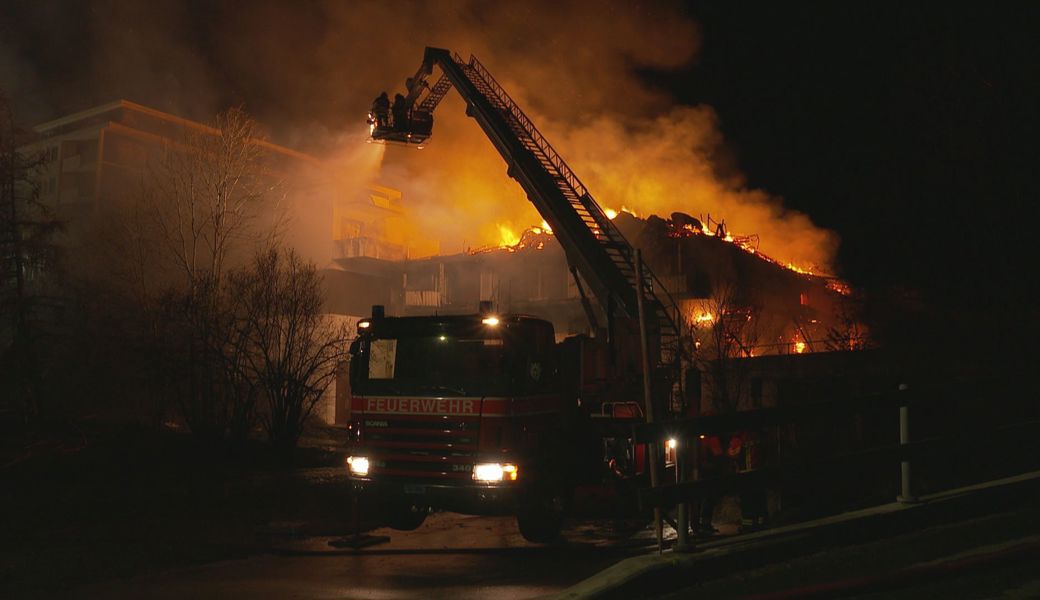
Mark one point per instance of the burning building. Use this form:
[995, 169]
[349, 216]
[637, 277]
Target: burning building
[713, 277]
[734, 301]
[721, 280]
[737, 305]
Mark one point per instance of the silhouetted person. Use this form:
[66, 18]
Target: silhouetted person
[724, 455]
[381, 110]
[746, 448]
[713, 464]
[400, 113]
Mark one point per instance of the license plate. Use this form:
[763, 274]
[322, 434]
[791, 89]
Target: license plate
[415, 489]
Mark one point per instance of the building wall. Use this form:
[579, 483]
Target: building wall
[99, 159]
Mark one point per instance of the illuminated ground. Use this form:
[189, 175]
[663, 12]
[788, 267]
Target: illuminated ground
[451, 556]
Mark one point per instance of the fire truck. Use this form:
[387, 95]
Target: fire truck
[486, 413]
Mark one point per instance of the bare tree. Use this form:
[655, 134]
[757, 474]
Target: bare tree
[206, 192]
[848, 333]
[725, 329]
[202, 202]
[29, 258]
[291, 349]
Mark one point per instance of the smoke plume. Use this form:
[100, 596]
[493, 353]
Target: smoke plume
[310, 70]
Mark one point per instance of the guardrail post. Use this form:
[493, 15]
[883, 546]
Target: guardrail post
[906, 495]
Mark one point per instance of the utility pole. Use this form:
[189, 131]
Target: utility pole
[648, 402]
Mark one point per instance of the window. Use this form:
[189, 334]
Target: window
[488, 285]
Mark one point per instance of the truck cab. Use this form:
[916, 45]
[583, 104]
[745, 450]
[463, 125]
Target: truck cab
[460, 413]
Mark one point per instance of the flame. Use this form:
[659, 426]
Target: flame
[749, 244]
[628, 210]
[508, 240]
[507, 237]
[611, 213]
[799, 347]
[698, 314]
[836, 285]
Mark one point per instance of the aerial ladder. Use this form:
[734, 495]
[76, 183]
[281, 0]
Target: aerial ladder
[595, 248]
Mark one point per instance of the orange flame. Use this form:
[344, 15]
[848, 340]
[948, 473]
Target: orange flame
[507, 237]
[748, 244]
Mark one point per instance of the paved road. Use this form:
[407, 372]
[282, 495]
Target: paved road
[460, 557]
[996, 556]
[450, 556]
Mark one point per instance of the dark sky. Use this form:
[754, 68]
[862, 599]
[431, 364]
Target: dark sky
[910, 131]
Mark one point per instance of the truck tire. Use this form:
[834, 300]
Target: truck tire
[403, 517]
[540, 518]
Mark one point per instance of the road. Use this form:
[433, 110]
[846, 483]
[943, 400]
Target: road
[996, 556]
[450, 556]
[463, 557]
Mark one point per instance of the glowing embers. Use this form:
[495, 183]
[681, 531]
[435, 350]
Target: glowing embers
[837, 285]
[612, 214]
[699, 313]
[532, 238]
[536, 236]
[683, 225]
[797, 269]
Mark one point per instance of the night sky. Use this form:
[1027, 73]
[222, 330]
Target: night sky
[910, 131]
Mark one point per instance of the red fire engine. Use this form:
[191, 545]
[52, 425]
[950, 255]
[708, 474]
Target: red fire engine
[461, 413]
[485, 413]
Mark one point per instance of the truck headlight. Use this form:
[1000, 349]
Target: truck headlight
[358, 465]
[495, 472]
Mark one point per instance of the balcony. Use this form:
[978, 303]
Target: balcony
[369, 248]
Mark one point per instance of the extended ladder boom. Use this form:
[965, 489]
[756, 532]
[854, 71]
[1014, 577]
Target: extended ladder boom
[592, 243]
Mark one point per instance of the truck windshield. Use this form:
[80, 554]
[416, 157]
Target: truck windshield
[433, 365]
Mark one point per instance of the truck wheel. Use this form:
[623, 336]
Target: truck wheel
[541, 519]
[403, 517]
